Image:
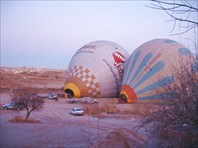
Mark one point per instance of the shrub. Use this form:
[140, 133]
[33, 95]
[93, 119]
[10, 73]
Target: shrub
[175, 122]
[22, 120]
[104, 109]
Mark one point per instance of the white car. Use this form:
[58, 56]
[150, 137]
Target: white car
[14, 106]
[76, 111]
[89, 100]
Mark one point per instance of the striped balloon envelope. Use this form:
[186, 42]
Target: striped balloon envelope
[149, 66]
[96, 70]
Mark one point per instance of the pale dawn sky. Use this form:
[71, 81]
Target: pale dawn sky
[46, 34]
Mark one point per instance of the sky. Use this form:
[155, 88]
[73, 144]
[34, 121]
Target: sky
[46, 34]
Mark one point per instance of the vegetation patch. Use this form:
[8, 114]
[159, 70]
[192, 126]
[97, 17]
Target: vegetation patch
[141, 109]
[101, 110]
[123, 137]
[106, 109]
[18, 119]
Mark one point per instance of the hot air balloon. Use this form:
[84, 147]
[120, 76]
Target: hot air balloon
[96, 70]
[147, 67]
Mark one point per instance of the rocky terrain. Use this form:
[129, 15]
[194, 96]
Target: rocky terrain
[46, 79]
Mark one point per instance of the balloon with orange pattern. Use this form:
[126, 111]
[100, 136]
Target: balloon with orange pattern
[149, 66]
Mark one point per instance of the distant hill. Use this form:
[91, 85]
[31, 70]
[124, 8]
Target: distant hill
[46, 79]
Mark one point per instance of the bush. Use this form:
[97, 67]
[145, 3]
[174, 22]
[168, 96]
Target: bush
[123, 137]
[22, 120]
[104, 109]
[142, 109]
[139, 109]
[175, 122]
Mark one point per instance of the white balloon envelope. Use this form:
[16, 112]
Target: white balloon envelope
[96, 70]
[149, 66]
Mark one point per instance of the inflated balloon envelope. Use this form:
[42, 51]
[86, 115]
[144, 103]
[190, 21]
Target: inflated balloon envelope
[96, 70]
[149, 66]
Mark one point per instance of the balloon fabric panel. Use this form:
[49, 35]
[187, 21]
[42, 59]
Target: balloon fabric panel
[148, 67]
[105, 62]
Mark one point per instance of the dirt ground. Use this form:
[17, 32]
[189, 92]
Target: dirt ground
[57, 128]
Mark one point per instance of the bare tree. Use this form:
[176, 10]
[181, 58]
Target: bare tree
[184, 14]
[27, 97]
[176, 120]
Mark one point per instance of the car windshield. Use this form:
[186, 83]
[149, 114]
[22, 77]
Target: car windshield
[78, 109]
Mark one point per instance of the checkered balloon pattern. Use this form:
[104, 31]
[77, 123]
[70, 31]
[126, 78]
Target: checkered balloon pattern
[85, 80]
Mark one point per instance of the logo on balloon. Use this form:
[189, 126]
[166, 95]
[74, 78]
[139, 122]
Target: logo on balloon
[86, 49]
[119, 60]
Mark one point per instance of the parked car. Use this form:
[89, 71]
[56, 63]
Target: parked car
[76, 111]
[52, 96]
[74, 100]
[14, 106]
[89, 100]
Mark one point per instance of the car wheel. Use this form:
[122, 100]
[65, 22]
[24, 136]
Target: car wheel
[6, 108]
[19, 108]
